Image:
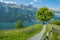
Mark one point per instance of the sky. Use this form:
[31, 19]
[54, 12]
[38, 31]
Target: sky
[53, 4]
[37, 3]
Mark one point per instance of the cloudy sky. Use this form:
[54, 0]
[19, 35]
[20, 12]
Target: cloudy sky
[54, 4]
[37, 3]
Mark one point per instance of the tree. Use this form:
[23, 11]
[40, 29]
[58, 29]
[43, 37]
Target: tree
[19, 24]
[44, 14]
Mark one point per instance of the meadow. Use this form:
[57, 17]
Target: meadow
[20, 34]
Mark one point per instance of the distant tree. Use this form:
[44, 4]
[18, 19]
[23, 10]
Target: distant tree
[19, 24]
[44, 14]
[56, 22]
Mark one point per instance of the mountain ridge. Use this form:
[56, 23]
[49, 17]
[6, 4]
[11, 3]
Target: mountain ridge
[14, 12]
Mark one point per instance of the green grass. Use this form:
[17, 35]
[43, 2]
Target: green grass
[56, 34]
[20, 34]
[56, 26]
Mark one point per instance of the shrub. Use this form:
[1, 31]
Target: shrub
[57, 22]
[19, 24]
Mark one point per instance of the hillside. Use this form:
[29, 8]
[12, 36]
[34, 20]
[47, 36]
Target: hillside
[20, 34]
[13, 12]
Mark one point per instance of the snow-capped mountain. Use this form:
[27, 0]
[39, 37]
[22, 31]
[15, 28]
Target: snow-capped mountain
[15, 5]
[11, 12]
[56, 12]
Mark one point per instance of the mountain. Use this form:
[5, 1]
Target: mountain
[12, 12]
[56, 12]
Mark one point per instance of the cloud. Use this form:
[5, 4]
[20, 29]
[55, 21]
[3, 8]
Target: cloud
[8, 2]
[31, 2]
[52, 8]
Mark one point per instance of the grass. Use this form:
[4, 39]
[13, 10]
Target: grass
[56, 26]
[56, 34]
[20, 34]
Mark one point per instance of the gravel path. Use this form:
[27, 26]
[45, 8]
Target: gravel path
[39, 35]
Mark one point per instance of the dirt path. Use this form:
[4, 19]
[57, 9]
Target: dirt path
[39, 35]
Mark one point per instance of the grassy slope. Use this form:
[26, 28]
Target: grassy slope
[56, 34]
[20, 34]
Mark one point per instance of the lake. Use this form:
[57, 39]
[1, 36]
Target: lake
[7, 26]
[4, 26]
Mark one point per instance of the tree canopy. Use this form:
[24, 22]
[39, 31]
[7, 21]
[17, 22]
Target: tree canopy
[44, 14]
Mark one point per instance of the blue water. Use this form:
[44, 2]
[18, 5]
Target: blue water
[5, 26]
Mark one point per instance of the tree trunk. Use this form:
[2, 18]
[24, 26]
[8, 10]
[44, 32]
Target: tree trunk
[43, 22]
